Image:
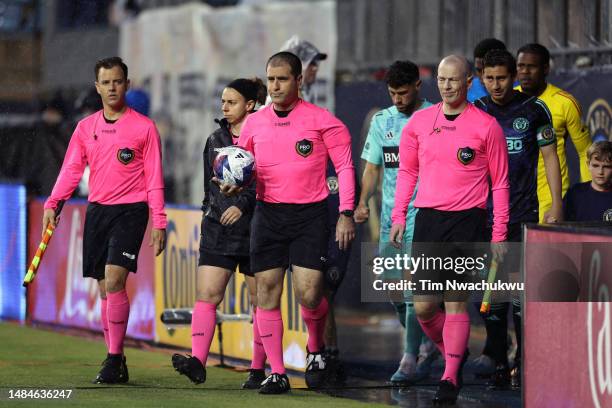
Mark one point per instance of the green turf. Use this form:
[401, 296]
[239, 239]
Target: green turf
[43, 359]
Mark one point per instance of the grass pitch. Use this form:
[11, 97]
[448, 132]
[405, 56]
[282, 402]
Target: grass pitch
[42, 359]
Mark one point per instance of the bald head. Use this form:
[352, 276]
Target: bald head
[453, 82]
[458, 62]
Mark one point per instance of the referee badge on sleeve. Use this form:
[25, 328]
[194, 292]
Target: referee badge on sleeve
[304, 147]
[125, 155]
[465, 155]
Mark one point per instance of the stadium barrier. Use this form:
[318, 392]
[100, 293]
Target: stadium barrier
[175, 285]
[12, 251]
[61, 296]
[568, 345]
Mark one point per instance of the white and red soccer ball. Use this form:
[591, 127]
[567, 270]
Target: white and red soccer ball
[234, 166]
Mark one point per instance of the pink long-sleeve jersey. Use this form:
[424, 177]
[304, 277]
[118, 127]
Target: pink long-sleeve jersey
[291, 154]
[124, 158]
[453, 161]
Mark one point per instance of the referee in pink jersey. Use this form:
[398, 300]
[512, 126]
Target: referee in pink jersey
[452, 148]
[123, 151]
[292, 141]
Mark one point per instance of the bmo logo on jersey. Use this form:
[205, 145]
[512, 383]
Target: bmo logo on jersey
[391, 157]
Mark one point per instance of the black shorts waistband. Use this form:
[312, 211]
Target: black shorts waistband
[469, 211]
[122, 205]
[292, 206]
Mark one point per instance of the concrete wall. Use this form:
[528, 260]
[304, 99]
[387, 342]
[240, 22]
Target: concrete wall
[69, 57]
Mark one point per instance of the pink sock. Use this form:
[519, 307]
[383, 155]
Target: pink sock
[118, 310]
[456, 335]
[270, 324]
[259, 354]
[315, 323]
[433, 329]
[203, 321]
[104, 320]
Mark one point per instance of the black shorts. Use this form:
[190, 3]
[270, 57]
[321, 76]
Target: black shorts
[289, 234]
[113, 235]
[447, 228]
[226, 261]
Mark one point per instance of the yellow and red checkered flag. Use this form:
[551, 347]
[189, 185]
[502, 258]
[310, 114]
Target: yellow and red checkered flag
[42, 247]
[485, 306]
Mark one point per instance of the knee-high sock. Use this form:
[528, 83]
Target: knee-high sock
[270, 324]
[104, 319]
[516, 317]
[414, 332]
[118, 311]
[315, 324]
[203, 321]
[400, 309]
[433, 329]
[456, 334]
[496, 324]
[259, 354]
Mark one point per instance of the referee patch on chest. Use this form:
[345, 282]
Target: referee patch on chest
[465, 155]
[125, 155]
[304, 147]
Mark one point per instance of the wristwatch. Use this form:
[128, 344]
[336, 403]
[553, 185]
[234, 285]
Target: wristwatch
[347, 213]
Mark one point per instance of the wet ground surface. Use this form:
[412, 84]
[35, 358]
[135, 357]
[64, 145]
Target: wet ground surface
[374, 357]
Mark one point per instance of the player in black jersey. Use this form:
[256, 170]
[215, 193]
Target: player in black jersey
[527, 125]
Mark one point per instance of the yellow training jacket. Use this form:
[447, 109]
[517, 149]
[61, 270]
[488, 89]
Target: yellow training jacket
[567, 120]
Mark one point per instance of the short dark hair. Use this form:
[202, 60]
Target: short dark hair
[487, 45]
[496, 58]
[536, 49]
[286, 57]
[110, 62]
[402, 73]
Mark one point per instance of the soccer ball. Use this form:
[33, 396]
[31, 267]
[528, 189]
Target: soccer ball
[234, 165]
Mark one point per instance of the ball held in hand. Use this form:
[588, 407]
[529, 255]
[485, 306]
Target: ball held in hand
[234, 166]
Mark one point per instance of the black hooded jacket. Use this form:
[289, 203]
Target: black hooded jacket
[232, 240]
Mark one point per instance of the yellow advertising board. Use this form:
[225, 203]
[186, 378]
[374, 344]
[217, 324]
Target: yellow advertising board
[175, 287]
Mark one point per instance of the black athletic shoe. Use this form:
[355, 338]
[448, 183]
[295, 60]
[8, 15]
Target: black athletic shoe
[254, 380]
[189, 366]
[446, 394]
[125, 376]
[336, 373]
[316, 374]
[114, 370]
[460, 373]
[275, 384]
[500, 380]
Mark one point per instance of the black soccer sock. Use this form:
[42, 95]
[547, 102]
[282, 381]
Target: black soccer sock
[516, 317]
[487, 351]
[496, 324]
